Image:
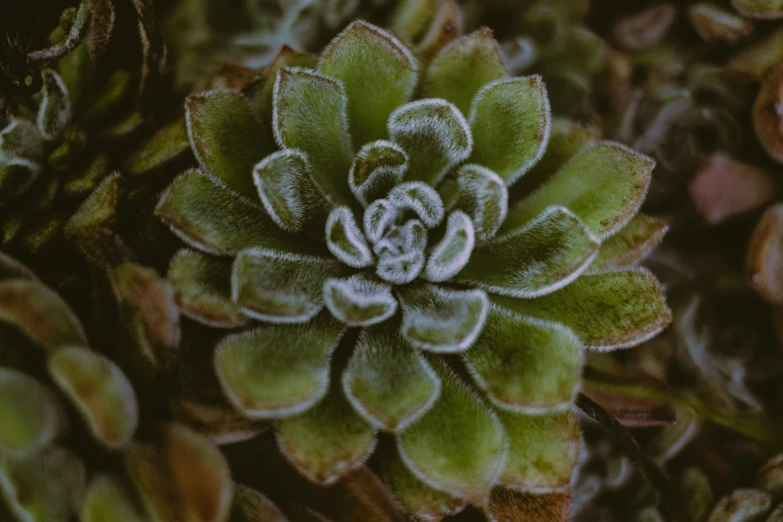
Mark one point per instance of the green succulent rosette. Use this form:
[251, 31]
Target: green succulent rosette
[353, 215]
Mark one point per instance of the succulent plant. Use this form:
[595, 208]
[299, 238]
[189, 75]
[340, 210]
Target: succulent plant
[358, 207]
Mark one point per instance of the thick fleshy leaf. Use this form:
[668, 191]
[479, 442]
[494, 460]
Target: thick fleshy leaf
[546, 254]
[509, 504]
[185, 478]
[40, 314]
[607, 311]
[442, 320]
[10, 268]
[31, 416]
[167, 146]
[252, 506]
[387, 381]
[16, 177]
[604, 185]
[421, 199]
[54, 113]
[108, 499]
[566, 139]
[359, 300]
[510, 122]
[379, 75]
[459, 445]
[525, 365]
[345, 240]
[21, 138]
[434, 134]
[629, 246]
[220, 422]
[280, 288]
[762, 9]
[209, 216]
[483, 195]
[225, 137]
[277, 370]
[462, 68]
[377, 168]
[310, 114]
[100, 391]
[203, 288]
[763, 259]
[453, 252]
[741, 505]
[328, 440]
[543, 449]
[378, 219]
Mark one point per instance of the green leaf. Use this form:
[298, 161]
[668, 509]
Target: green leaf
[379, 74]
[54, 113]
[206, 214]
[387, 381]
[509, 504]
[10, 268]
[510, 122]
[483, 195]
[525, 365]
[40, 314]
[539, 258]
[310, 114]
[435, 136]
[441, 319]
[166, 147]
[345, 240]
[280, 288]
[463, 67]
[761, 9]
[379, 218]
[604, 185]
[566, 139]
[411, 17]
[630, 245]
[277, 370]
[16, 177]
[607, 311]
[459, 445]
[421, 199]
[252, 506]
[453, 252]
[108, 499]
[21, 138]
[31, 416]
[101, 392]
[225, 137]
[377, 168]
[203, 287]
[359, 300]
[328, 440]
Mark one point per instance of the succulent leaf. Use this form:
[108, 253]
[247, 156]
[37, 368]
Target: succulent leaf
[55, 110]
[359, 300]
[108, 499]
[30, 414]
[377, 168]
[16, 177]
[168, 145]
[345, 240]
[762, 9]
[420, 198]
[452, 253]
[252, 506]
[629, 246]
[511, 504]
[483, 195]
[21, 138]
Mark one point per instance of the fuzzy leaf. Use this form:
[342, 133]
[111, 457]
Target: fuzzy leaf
[183, 479]
[31, 416]
[546, 254]
[21, 138]
[359, 300]
[252, 506]
[421, 199]
[566, 139]
[209, 216]
[435, 136]
[510, 122]
[310, 115]
[101, 392]
[629, 246]
[280, 288]
[378, 219]
[742, 505]
[508, 504]
[458, 446]
[411, 17]
[10, 268]
[277, 370]
[762, 9]
[387, 381]
[40, 314]
[604, 185]
[328, 440]
[203, 288]
[379, 75]
[54, 113]
[108, 499]
[16, 177]
[462, 68]
[525, 365]
[167, 146]
[226, 139]
[377, 168]
[345, 240]
[484, 197]
[453, 252]
[442, 320]
[607, 311]
[543, 449]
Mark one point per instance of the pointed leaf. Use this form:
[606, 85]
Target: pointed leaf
[166, 147]
[410, 19]
[387, 381]
[566, 139]
[252, 506]
[543, 256]
[435, 136]
[310, 115]
[509, 504]
[277, 370]
[458, 446]
[101, 392]
[462, 68]
[55, 110]
[484, 197]
[525, 365]
[446, 25]
[108, 499]
[742, 505]
[345, 240]
[604, 185]
[453, 252]
[607, 311]
[510, 122]
[368, 59]
[328, 440]
[629, 246]
[359, 300]
[31, 416]
[226, 138]
[421, 199]
[21, 138]
[442, 320]
[377, 168]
